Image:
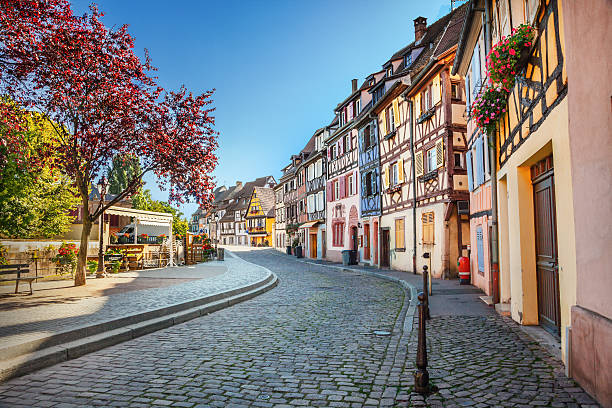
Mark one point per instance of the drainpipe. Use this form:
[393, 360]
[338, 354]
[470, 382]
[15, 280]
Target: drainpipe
[414, 185]
[494, 275]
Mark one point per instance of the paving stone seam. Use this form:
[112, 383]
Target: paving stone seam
[16, 365]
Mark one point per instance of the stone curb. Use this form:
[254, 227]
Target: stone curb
[61, 347]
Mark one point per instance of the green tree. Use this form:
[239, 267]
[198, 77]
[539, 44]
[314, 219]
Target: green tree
[35, 197]
[144, 201]
[124, 169]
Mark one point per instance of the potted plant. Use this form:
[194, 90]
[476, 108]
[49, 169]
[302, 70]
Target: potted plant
[113, 238]
[66, 258]
[160, 238]
[92, 267]
[143, 238]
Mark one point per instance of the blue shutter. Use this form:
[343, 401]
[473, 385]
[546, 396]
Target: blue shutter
[482, 166]
[468, 161]
[480, 246]
[479, 179]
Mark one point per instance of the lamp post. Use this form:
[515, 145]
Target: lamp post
[421, 375]
[102, 190]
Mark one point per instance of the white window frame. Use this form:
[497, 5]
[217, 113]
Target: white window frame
[394, 174]
[431, 158]
[336, 190]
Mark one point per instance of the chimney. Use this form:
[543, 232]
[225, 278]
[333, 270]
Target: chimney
[239, 184]
[354, 85]
[420, 27]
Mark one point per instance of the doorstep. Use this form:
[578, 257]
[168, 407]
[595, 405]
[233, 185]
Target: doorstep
[487, 299]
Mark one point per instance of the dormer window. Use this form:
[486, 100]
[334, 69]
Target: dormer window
[408, 60]
[390, 71]
[371, 82]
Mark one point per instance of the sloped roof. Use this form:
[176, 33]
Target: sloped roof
[266, 199]
[453, 31]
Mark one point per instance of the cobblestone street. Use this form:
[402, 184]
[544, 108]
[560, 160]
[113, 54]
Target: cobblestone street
[310, 342]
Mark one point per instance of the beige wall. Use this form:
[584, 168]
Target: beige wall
[517, 220]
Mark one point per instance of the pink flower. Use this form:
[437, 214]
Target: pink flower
[512, 52]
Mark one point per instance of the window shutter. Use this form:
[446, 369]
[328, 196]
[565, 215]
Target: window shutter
[374, 176]
[342, 182]
[417, 105]
[387, 176]
[479, 162]
[383, 119]
[439, 153]
[400, 171]
[396, 113]
[330, 191]
[373, 133]
[468, 161]
[467, 94]
[361, 139]
[436, 90]
[418, 163]
[480, 248]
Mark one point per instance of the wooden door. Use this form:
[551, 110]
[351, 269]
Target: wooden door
[547, 268]
[313, 246]
[323, 244]
[384, 251]
[366, 241]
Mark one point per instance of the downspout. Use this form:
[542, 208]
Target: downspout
[414, 185]
[494, 275]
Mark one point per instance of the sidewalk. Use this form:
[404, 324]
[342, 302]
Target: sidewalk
[475, 356]
[44, 325]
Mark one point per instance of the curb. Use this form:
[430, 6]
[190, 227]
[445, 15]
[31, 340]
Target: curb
[26, 358]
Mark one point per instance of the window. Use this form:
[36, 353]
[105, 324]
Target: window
[408, 60]
[399, 234]
[458, 160]
[467, 92]
[336, 190]
[357, 107]
[455, 91]
[431, 160]
[334, 152]
[390, 119]
[367, 140]
[338, 234]
[347, 143]
[343, 117]
[394, 174]
[319, 168]
[390, 71]
[368, 184]
[351, 184]
[428, 227]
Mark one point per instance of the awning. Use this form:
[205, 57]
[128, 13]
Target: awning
[310, 224]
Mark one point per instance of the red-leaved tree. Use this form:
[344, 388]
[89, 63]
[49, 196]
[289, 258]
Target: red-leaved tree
[102, 100]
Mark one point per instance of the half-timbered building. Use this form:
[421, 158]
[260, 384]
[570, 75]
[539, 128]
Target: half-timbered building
[422, 128]
[343, 180]
[315, 167]
[369, 171]
[260, 217]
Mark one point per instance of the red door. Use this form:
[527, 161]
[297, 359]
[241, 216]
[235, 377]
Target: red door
[366, 241]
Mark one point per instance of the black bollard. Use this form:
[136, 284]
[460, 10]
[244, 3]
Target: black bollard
[421, 376]
[426, 291]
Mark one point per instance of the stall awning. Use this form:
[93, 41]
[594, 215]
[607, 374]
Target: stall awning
[143, 217]
[310, 224]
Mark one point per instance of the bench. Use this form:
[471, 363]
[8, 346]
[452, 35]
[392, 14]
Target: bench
[17, 270]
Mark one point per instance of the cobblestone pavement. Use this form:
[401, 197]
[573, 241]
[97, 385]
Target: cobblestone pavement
[308, 342]
[18, 325]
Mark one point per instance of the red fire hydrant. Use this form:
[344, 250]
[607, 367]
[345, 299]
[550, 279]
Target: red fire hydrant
[463, 264]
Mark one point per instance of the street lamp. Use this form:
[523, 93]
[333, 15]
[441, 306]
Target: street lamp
[102, 191]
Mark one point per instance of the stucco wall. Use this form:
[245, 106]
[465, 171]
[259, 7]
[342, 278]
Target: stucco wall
[517, 225]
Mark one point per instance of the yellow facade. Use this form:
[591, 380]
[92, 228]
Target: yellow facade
[259, 225]
[534, 128]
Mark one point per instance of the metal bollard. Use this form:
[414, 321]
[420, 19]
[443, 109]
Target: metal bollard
[426, 291]
[421, 375]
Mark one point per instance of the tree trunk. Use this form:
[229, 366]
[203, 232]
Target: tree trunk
[79, 274]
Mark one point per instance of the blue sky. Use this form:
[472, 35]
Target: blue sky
[278, 67]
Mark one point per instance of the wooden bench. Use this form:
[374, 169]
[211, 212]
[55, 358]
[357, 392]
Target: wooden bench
[17, 270]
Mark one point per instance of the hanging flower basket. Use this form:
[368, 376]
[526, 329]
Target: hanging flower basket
[509, 55]
[489, 107]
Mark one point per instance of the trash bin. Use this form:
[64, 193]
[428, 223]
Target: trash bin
[298, 251]
[349, 257]
[288, 249]
[220, 254]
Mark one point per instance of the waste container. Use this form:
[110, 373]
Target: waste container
[220, 254]
[288, 249]
[349, 257]
[298, 251]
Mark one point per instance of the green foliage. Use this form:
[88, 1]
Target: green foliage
[35, 197]
[124, 169]
[144, 201]
[92, 266]
[3, 252]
